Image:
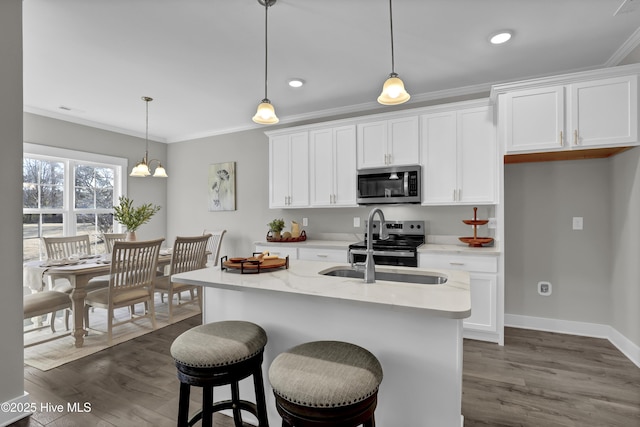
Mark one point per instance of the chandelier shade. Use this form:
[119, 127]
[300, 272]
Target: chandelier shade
[143, 167]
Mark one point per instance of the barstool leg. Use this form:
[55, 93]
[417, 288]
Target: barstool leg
[207, 406]
[183, 405]
[261, 404]
[235, 400]
[370, 423]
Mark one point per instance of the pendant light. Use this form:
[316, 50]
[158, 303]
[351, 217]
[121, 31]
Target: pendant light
[141, 169]
[393, 92]
[266, 115]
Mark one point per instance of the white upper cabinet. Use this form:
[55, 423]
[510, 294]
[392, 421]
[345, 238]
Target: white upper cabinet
[535, 119]
[573, 116]
[289, 170]
[332, 163]
[604, 112]
[388, 142]
[459, 157]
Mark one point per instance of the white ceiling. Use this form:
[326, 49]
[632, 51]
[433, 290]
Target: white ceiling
[203, 60]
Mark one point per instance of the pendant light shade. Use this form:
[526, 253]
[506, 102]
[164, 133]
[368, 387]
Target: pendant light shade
[393, 91]
[142, 168]
[266, 114]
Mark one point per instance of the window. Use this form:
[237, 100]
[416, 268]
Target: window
[67, 192]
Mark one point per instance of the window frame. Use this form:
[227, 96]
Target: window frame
[71, 159]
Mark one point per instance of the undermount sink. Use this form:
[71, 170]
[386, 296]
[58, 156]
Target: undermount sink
[423, 279]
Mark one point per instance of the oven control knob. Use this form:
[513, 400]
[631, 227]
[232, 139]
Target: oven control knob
[418, 226]
[412, 226]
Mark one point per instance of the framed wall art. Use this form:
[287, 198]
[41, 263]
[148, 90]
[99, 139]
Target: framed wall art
[222, 187]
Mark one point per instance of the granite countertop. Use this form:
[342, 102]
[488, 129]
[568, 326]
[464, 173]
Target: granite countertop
[450, 300]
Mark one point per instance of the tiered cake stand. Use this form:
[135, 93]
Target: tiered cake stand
[475, 241]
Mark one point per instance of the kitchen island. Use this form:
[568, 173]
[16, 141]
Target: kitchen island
[415, 330]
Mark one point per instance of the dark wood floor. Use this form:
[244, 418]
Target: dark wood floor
[536, 379]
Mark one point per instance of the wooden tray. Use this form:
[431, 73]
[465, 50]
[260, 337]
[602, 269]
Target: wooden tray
[253, 264]
[301, 238]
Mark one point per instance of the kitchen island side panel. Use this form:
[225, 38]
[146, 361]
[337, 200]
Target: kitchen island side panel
[421, 354]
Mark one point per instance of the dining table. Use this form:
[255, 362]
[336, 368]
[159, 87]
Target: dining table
[78, 274]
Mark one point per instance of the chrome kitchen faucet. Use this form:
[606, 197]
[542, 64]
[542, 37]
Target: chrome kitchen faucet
[369, 265]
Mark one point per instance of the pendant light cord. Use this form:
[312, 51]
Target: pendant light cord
[393, 71]
[266, 46]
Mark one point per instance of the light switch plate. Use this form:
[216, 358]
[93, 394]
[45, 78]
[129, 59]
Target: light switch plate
[305, 222]
[578, 223]
[356, 221]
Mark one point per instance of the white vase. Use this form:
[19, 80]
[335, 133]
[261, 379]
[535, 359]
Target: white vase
[131, 236]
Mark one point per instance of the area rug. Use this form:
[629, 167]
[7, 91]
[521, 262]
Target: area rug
[51, 354]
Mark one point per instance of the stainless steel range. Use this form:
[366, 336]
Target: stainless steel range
[401, 248]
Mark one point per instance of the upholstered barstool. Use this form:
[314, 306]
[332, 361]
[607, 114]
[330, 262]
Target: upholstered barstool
[326, 383]
[216, 354]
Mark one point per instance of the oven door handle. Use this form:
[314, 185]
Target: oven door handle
[400, 254]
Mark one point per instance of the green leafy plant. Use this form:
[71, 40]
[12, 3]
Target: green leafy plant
[133, 217]
[277, 225]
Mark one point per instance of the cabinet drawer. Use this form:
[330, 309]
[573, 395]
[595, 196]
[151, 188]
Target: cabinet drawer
[330, 255]
[281, 251]
[483, 264]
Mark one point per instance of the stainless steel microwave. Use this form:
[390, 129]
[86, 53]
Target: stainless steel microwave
[399, 184]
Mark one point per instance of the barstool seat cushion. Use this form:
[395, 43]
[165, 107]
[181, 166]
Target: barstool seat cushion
[218, 344]
[325, 374]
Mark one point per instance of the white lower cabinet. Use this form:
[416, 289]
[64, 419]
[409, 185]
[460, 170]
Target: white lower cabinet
[305, 253]
[483, 324]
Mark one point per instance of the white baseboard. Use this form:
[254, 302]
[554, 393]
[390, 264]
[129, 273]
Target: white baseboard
[595, 330]
[11, 416]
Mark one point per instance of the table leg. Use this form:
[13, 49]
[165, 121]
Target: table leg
[77, 305]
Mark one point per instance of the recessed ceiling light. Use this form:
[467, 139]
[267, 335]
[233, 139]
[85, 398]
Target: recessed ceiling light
[296, 82]
[501, 37]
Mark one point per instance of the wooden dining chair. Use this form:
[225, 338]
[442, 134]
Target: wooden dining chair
[46, 303]
[187, 255]
[111, 238]
[64, 247]
[133, 268]
[213, 246]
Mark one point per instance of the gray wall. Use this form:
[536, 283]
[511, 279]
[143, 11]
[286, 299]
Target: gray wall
[625, 248]
[57, 133]
[12, 382]
[594, 272]
[188, 195]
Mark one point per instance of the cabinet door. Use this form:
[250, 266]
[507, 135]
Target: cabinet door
[604, 112]
[321, 164]
[345, 166]
[279, 171]
[535, 120]
[299, 176]
[483, 303]
[372, 144]
[477, 171]
[403, 146]
[438, 158]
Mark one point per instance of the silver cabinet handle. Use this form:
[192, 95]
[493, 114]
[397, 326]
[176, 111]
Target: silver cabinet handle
[454, 195]
[390, 159]
[322, 255]
[575, 137]
[561, 139]
[455, 263]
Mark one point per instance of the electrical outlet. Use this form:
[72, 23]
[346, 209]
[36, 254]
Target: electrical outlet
[305, 222]
[544, 288]
[492, 223]
[356, 221]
